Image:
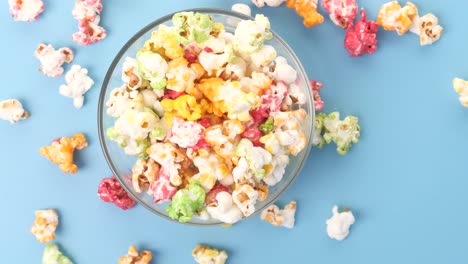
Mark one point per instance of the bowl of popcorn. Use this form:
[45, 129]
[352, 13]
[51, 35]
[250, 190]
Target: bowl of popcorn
[206, 116]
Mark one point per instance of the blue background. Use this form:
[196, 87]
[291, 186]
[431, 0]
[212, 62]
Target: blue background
[405, 181]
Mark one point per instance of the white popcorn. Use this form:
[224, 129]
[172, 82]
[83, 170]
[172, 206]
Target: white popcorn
[214, 63]
[180, 78]
[119, 100]
[166, 154]
[296, 93]
[236, 68]
[78, 83]
[277, 217]
[52, 60]
[211, 168]
[242, 8]
[429, 30]
[272, 3]
[245, 197]
[338, 225]
[251, 34]
[12, 111]
[185, 133]
[206, 255]
[279, 164]
[283, 71]
[461, 87]
[225, 210]
[263, 57]
[130, 74]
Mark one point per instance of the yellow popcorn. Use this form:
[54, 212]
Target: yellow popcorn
[184, 106]
[45, 224]
[393, 17]
[211, 168]
[180, 77]
[206, 255]
[461, 87]
[163, 41]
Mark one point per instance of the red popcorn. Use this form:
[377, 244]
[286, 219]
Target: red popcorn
[111, 191]
[259, 115]
[162, 188]
[318, 103]
[254, 135]
[171, 94]
[201, 144]
[205, 122]
[211, 195]
[342, 12]
[362, 38]
[191, 52]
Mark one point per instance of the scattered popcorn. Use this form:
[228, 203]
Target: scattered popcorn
[144, 174]
[428, 29]
[343, 132]
[207, 255]
[87, 12]
[52, 60]
[393, 17]
[242, 8]
[11, 110]
[272, 3]
[111, 191]
[317, 140]
[26, 10]
[224, 209]
[338, 225]
[53, 255]
[316, 87]
[135, 257]
[45, 224]
[277, 217]
[78, 83]
[461, 87]
[362, 38]
[186, 202]
[342, 12]
[61, 151]
[306, 9]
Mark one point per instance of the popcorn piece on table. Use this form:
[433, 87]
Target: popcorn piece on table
[12, 111]
[162, 189]
[144, 174]
[61, 152]
[272, 3]
[26, 10]
[111, 191]
[52, 60]
[207, 255]
[428, 29]
[245, 197]
[338, 225]
[242, 8]
[224, 209]
[186, 202]
[53, 255]
[393, 17]
[316, 87]
[78, 83]
[45, 225]
[461, 87]
[343, 132]
[135, 257]
[277, 217]
[87, 13]
[342, 12]
[317, 140]
[362, 37]
[307, 9]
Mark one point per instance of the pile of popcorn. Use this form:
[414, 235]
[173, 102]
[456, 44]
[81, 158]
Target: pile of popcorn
[211, 116]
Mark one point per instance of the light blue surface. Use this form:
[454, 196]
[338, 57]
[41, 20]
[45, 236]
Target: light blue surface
[405, 181]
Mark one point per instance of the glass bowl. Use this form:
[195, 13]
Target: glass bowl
[121, 164]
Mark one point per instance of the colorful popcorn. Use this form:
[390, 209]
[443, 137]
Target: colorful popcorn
[45, 225]
[271, 3]
[26, 10]
[12, 110]
[87, 12]
[306, 9]
[343, 132]
[52, 60]
[186, 202]
[61, 152]
[394, 17]
[207, 255]
[135, 257]
[342, 12]
[338, 225]
[461, 87]
[78, 83]
[53, 255]
[111, 191]
[362, 37]
[284, 217]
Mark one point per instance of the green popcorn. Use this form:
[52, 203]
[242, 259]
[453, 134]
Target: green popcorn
[268, 126]
[158, 133]
[190, 27]
[153, 68]
[250, 35]
[255, 157]
[344, 133]
[318, 140]
[142, 145]
[244, 148]
[52, 255]
[186, 202]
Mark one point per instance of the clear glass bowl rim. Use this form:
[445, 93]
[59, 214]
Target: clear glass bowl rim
[115, 61]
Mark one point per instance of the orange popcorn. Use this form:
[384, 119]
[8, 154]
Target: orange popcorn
[61, 152]
[45, 224]
[135, 257]
[184, 106]
[308, 10]
[393, 17]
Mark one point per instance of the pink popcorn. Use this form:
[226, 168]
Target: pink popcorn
[171, 94]
[87, 13]
[362, 38]
[89, 33]
[52, 60]
[318, 103]
[185, 134]
[111, 191]
[342, 12]
[162, 188]
[254, 135]
[26, 10]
